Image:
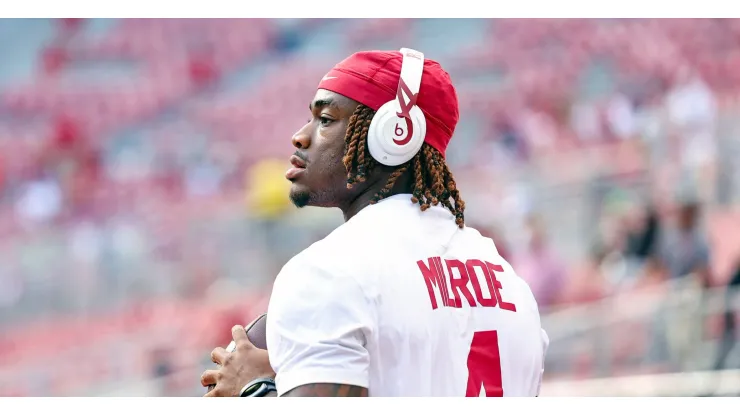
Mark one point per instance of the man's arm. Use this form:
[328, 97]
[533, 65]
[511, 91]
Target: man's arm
[319, 321]
[327, 390]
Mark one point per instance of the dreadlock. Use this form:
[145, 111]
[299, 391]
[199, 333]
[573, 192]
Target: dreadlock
[433, 181]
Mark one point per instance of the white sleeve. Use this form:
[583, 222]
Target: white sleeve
[317, 325]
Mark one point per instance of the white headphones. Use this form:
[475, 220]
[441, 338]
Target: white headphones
[398, 128]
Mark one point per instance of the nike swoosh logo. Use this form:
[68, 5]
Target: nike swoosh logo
[327, 78]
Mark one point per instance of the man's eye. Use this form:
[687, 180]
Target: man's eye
[325, 121]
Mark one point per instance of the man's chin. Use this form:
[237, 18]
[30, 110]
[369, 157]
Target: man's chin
[299, 197]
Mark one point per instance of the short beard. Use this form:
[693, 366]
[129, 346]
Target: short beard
[307, 197]
[300, 198]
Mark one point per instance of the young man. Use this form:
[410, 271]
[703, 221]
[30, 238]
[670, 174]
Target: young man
[402, 299]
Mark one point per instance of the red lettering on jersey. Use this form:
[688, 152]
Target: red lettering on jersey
[475, 280]
[431, 278]
[452, 289]
[445, 292]
[493, 268]
[484, 366]
[459, 285]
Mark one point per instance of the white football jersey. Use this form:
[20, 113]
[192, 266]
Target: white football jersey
[405, 303]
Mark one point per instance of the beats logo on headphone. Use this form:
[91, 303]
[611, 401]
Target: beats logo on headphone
[398, 128]
[406, 107]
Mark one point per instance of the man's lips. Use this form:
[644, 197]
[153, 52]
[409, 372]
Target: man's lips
[297, 162]
[299, 165]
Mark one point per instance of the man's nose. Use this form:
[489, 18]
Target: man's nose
[302, 138]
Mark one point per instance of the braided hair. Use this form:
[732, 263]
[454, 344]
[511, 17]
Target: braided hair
[433, 183]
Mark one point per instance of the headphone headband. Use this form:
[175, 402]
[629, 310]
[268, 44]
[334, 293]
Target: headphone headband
[412, 67]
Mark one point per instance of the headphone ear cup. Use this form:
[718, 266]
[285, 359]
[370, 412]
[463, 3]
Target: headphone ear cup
[394, 140]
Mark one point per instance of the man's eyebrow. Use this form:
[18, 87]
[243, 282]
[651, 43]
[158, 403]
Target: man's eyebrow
[322, 103]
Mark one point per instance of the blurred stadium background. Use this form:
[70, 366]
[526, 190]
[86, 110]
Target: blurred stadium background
[143, 209]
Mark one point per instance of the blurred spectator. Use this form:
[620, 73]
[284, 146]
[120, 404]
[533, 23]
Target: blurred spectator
[67, 138]
[40, 200]
[202, 68]
[620, 117]
[54, 59]
[538, 128]
[204, 178]
[692, 112]
[585, 121]
[642, 241]
[684, 249]
[539, 265]
[587, 282]
[510, 140]
[685, 257]
[162, 370]
[611, 240]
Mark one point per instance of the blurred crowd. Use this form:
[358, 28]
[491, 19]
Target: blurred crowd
[142, 197]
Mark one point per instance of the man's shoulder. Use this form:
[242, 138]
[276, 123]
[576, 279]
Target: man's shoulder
[333, 256]
[344, 241]
[319, 277]
[350, 242]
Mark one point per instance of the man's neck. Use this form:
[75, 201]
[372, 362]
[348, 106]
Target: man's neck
[359, 204]
[364, 198]
[361, 201]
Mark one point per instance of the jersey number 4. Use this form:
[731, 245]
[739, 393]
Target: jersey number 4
[484, 366]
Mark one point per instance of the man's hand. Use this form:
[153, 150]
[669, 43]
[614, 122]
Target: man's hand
[238, 368]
